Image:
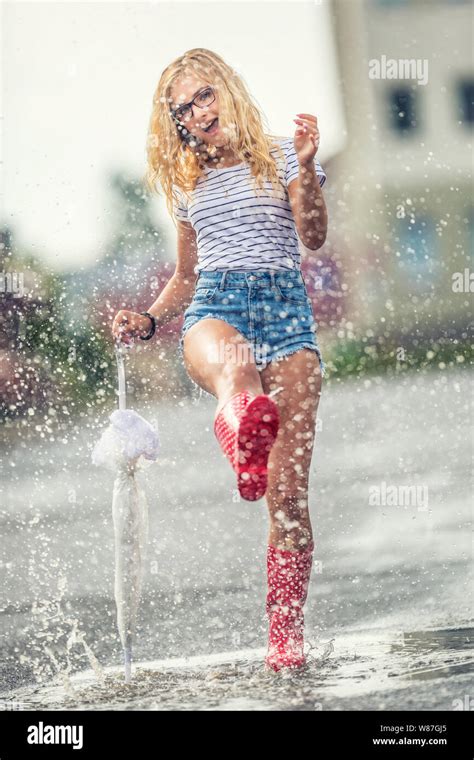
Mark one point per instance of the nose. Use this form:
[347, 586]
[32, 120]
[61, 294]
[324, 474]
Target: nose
[201, 123]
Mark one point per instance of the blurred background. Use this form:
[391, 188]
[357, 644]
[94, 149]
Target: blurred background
[392, 85]
[391, 82]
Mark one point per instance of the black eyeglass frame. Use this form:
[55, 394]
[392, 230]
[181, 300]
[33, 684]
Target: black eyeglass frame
[192, 103]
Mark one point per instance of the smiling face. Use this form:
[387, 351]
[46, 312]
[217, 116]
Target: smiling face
[183, 91]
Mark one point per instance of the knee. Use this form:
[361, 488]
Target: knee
[288, 510]
[288, 484]
[290, 525]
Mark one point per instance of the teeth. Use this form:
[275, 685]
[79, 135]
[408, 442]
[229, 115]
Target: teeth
[210, 125]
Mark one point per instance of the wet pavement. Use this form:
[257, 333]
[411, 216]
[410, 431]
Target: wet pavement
[389, 610]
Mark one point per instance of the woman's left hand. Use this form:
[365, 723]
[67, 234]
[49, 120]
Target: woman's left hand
[306, 139]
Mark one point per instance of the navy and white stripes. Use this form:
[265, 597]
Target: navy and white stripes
[243, 231]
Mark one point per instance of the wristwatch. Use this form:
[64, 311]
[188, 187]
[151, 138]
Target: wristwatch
[152, 328]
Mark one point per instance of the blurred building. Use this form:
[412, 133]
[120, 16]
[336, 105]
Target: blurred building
[24, 383]
[400, 193]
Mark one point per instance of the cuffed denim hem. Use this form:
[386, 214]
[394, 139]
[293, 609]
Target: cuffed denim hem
[192, 321]
[289, 350]
[279, 354]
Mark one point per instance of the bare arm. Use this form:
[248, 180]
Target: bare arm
[178, 292]
[175, 296]
[308, 207]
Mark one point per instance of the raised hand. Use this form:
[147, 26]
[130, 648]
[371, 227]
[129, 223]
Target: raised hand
[306, 140]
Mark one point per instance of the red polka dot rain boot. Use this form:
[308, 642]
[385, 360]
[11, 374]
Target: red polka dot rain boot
[288, 576]
[246, 427]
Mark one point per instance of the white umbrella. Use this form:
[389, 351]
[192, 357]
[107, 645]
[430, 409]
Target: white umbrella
[128, 445]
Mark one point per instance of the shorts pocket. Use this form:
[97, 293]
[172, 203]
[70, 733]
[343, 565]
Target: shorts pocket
[203, 294]
[295, 293]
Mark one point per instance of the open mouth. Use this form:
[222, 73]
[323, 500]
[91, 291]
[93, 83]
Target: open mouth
[212, 127]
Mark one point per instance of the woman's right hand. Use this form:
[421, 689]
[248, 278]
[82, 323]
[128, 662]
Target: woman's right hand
[128, 325]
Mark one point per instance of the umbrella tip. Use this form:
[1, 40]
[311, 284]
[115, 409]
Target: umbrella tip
[127, 659]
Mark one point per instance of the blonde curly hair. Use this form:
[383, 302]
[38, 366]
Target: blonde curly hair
[176, 164]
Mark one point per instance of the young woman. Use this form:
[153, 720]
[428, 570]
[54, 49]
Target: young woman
[242, 197]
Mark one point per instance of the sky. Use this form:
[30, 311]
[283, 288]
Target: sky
[76, 94]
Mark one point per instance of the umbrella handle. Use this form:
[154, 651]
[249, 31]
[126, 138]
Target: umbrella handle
[122, 388]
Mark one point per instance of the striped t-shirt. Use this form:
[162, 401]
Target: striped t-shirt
[243, 231]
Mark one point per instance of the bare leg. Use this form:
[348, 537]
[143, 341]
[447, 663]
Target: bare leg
[220, 360]
[290, 458]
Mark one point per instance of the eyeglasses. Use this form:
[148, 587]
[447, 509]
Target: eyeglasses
[202, 100]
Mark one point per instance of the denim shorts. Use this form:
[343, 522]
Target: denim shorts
[270, 308]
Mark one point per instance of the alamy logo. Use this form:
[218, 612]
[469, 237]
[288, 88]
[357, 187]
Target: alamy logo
[235, 352]
[384, 495]
[12, 283]
[41, 734]
[403, 68]
[467, 703]
[463, 282]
